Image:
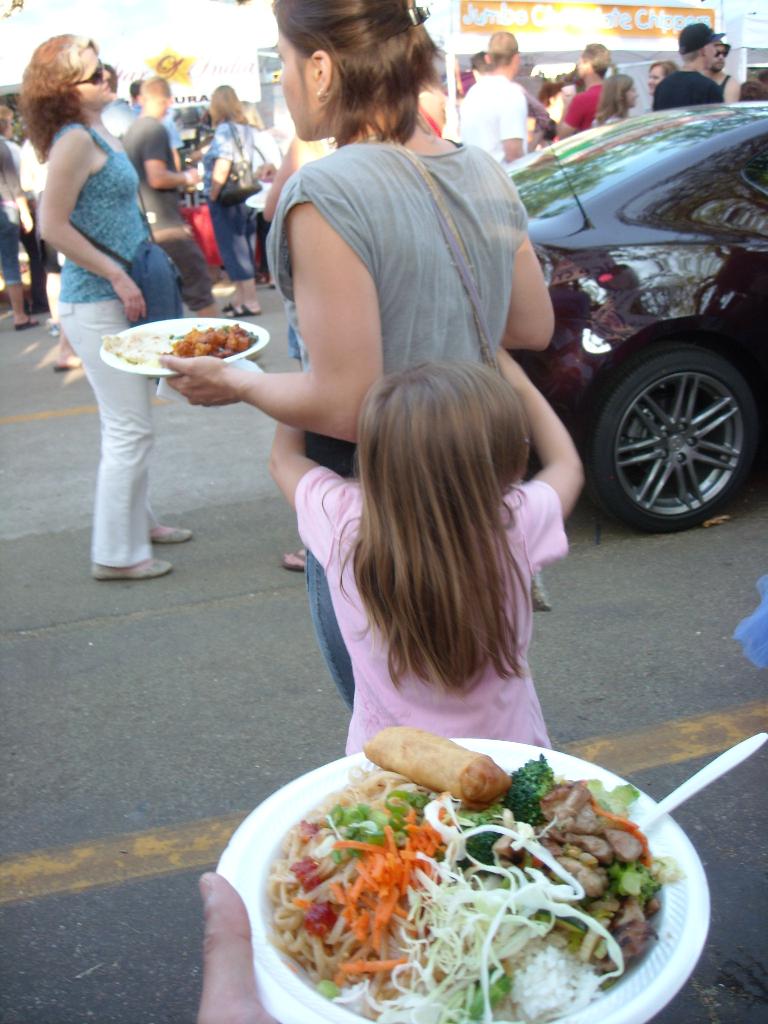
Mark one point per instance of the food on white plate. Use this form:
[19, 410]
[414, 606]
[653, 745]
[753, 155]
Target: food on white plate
[140, 349]
[224, 341]
[403, 905]
[144, 347]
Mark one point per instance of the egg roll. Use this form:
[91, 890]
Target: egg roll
[438, 764]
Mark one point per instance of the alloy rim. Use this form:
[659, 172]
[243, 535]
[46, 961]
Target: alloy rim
[679, 444]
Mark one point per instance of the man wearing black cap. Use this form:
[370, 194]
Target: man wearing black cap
[729, 87]
[691, 87]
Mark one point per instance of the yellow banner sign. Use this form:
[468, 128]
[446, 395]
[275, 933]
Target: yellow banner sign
[578, 19]
[173, 66]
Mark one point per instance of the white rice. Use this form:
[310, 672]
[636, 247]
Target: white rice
[551, 984]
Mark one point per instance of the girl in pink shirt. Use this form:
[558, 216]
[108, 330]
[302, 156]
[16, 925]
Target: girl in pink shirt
[429, 553]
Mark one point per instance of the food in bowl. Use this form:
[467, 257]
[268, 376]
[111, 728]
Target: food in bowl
[403, 905]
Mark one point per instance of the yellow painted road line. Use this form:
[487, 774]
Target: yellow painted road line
[53, 414]
[197, 845]
[48, 414]
[72, 869]
[680, 739]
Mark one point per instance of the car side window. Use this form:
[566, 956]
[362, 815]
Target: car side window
[721, 197]
[756, 172]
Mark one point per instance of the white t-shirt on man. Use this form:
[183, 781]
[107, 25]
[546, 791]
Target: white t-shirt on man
[493, 110]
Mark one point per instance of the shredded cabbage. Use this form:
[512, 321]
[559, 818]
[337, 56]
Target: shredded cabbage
[465, 927]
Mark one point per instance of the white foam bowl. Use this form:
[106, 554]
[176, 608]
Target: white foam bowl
[649, 984]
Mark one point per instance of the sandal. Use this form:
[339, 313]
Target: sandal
[295, 561]
[169, 535]
[245, 311]
[73, 363]
[147, 570]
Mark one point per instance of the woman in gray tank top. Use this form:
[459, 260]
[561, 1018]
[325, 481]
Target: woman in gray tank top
[357, 250]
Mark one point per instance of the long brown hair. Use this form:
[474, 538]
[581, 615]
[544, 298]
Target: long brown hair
[439, 444]
[613, 98]
[381, 60]
[49, 96]
[225, 106]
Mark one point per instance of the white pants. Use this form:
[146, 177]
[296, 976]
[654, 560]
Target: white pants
[122, 515]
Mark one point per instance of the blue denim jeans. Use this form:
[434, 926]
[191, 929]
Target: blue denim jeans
[327, 631]
[9, 244]
[235, 231]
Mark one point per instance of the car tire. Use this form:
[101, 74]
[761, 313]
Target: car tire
[673, 438]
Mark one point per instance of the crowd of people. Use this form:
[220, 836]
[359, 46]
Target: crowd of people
[508, 119]
[409, 284]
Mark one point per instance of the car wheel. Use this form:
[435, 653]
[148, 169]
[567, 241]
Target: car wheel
[673, 438]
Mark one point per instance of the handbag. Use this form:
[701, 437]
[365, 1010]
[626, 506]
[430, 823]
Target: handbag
[156, 276]
[159, 281]
[242, 181]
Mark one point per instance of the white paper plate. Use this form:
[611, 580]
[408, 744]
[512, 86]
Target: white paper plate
[650, 982]
[177, 328]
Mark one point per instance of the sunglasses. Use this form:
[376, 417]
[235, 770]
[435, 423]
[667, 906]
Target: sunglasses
[721, 53]
[96, 78]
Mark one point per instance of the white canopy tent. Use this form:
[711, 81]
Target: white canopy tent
[746, 28]
[195, 44]
[555, 33]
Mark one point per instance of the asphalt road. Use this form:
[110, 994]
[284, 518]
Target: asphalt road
[141, 721]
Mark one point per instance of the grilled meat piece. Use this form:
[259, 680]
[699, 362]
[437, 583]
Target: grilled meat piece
[554, 848]
[594, 880]
[626, 846]
[598, 847]
[570, 806]
[633, 937]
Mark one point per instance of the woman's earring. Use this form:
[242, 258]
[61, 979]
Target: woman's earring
[322, 95]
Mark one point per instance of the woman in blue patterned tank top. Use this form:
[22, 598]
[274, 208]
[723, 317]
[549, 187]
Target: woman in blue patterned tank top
[90, 205]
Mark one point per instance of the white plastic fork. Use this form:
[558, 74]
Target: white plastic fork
[721, 764]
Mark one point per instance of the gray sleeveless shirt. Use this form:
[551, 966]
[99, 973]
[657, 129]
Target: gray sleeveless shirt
[372, 197]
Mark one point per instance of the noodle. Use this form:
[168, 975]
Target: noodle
[321, 958]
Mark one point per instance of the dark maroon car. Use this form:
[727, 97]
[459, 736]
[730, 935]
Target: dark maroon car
[653, 236]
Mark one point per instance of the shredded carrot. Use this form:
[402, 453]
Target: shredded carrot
[379, 891]
[302, 904]
[627, 825]
[354, 844]
[371, 966]
[357, 888]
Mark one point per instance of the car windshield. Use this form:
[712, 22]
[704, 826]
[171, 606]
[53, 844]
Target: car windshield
[603, 157]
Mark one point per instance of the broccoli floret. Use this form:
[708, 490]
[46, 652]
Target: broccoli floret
[472, 818]
[632, 879]
[481, 847]
[529, 784]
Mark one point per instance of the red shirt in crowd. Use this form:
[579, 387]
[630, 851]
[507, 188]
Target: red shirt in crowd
[583, 107]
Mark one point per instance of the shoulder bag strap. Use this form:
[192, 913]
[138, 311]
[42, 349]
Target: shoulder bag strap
[458, 249]
[261, 155]
[236, 137]
[124, 263]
